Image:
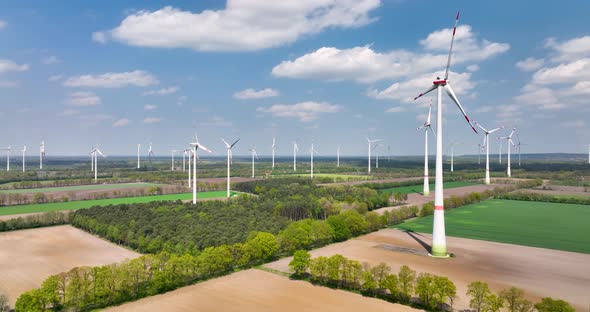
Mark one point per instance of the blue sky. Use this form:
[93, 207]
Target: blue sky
[118, 73]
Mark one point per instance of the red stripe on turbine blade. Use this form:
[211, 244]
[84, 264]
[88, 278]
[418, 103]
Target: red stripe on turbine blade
[454, 30]
[436, 207]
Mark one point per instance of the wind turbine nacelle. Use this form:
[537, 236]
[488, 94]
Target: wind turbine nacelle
[440, 82]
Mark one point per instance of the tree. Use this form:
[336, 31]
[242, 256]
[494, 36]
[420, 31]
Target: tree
[493, 303]
[478, 291]
[318, 268]
[407, 279]
[444, 289]
[553, 305]
[513, 298]
[334, 268]
[4, 303]
[29, 302]
[391, 283]
[369, 282]
[300, 262]
[380, 271]
[425, 290]
[263, 246]
[525, 306]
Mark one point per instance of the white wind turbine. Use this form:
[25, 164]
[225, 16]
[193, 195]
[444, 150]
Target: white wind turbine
[500, 153]
[189, 152]
[172, 152]
[229, 160]
[254, 154]
[138, 148]
[8, 157]
[426, 126]
[453, 154]
[486, 143]
[93, 154]
[508, 143]
[439, 245]
[41, 154]
[274, 146]
[184, 152]
[338, 157]
[376, 155]
[370, 144]
[24, 150]
[196, 145]
[517, 146]
[589, 153]
[295, 150]
[311, 152]
[150, 153]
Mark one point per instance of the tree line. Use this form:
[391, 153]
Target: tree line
[530, 196]
[424, 290]
[35, 221]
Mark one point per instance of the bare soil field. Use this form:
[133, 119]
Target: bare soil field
[258, 291]
[540, 272]
[560, 190]
[28, 257]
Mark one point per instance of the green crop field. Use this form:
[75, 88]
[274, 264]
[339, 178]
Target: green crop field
[78, 188]
[420, 187]
[73, 205]
[537, 224]
[327, 175]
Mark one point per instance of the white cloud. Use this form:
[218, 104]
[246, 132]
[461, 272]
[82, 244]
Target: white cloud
[473, 68]
[52, 59]
[364, 65]
[54, 78]
[137, 78]
[253, 94]
[121, 123]
[10, 66]
[149, 107]
[69, 112]
[151, 120]
[396, 109]
[2, 24]
[83, 98]
[241, 25]
[569, 50]
[163, 91]
[564, 73]
[99, 37]
[530, 64]
[304, 111]
[407, 90]
[216, 121]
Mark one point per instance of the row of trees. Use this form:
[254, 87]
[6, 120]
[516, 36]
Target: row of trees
[424, 290]
[36, 220]
[529, 196]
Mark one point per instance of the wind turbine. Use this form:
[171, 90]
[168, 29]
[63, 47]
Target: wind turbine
[94, 153]
[184, 152]
[138, 147]
[41, 154]
[150, 153]
[295, 150]
[311, 152]
[253, 150]
[453, 154]
[509, 142]
[518, 145]
[189, 152]
[173, 151]
[370, 144]
[273, 152]
[439, 245]
[500, 153]
[196, 145]
[388, 153]
[338, 157]
[92, 159]
[426, 126]
[376, 155]
[24, 153]
[229, 159]
[8, 157]
[486, 143]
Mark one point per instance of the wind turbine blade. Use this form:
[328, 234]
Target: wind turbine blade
[433, 132]
[429, 113]
[226, 144]
[451, 48]
[232, 145]
[426, 92]
[205, 149]
[482, 128]
[453, 97]
[492, 131]
[421, 127]
[485, 140]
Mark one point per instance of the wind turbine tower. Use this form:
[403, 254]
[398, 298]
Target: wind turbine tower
[426, 126]
[370, 145]
[24, 154]
[486, 143]
[229, 160]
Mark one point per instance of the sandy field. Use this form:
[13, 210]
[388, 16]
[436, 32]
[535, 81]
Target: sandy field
[27, 257]
[258, 291]
[540, 272]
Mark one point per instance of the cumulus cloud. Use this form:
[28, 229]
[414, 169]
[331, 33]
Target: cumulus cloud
[137, 78]
[253, 94]
[149, 107]
[243, 25]
[54, 78]
[364, 65]
[396, 109]
[569, 50]
[163, 91]
[303, 111]
[407, 90]
[11, 66]
[152, 120]
[83, 98]
[51, 59]
[530, 64]
[121, 123]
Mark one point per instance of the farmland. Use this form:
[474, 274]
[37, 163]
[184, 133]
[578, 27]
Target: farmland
[74, 205]
[78, 188]
[419, 188]
[537, 224]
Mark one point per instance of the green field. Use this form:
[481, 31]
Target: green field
[419, 188]
[346, 177]
[78, 188]
[537, 224]
[73, 205]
